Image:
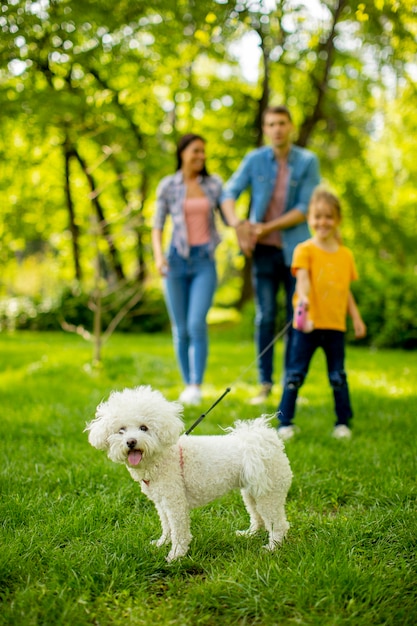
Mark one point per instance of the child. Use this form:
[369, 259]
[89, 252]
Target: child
[323, 269]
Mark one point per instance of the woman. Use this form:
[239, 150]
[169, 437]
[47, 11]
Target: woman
[190, 197]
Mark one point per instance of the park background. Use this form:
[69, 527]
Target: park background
[94, 95]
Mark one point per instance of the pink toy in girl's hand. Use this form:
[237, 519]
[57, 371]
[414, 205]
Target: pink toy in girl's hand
[301, 318]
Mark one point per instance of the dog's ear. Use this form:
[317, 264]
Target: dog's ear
[97, 432]
[173, 424]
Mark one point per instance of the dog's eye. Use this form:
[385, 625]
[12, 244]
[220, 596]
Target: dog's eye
[144, 428]
[122, 431]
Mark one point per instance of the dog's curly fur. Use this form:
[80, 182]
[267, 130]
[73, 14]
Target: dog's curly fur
[140, 428]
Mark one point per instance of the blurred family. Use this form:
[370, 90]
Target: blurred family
[281, 178]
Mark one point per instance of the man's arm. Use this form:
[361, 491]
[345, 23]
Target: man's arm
[238, 182]
[286, 220]
[243, 228]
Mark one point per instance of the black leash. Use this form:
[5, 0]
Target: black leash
[228, 389]
[203, 415]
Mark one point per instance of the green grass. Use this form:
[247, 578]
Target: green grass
[76, 531]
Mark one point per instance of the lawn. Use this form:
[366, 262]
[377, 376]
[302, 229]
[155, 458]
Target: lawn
[76, 531]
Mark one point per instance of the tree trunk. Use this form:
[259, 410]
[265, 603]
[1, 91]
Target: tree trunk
[136, 219]
[321, 82]
[136, 132]
[75, 231]
[246, 292]
[97, 328]
[141, 268]
[102, 223]
[264, 99]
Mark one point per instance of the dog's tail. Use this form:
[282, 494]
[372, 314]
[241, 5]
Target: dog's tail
[260, 444]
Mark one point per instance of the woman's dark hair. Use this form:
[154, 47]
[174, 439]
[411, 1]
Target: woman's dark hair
[185, 141]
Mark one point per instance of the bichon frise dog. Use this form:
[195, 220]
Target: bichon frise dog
[140, 428]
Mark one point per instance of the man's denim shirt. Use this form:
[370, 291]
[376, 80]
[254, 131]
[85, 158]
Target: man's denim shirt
[258, 171]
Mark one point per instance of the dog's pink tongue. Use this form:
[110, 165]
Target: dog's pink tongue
[135, 457]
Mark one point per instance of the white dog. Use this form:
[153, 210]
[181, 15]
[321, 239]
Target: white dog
[140, 428]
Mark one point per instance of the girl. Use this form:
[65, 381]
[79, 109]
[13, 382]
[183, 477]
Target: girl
[324, 270]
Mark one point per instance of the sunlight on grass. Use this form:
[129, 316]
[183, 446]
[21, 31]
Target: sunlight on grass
[76, 530]
[401, 385]
[220, 315]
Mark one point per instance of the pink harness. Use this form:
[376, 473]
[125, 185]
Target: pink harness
[181, 467]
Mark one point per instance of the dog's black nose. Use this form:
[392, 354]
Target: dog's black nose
[131, 443]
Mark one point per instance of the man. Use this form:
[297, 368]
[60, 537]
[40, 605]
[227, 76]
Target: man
[281, 177]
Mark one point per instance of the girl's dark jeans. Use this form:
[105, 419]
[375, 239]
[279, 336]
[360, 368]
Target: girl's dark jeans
[303, 346]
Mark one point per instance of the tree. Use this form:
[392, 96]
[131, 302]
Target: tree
[95, 95]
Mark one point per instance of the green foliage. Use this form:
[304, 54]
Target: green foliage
[386, 297]
[74, 307]
[95, 94]
[76, 531]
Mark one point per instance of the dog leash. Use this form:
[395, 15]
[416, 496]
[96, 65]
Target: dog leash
[228, 389]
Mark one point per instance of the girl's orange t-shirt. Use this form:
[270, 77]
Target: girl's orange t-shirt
[330, 276]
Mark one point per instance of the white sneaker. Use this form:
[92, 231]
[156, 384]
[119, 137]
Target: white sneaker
[191, 395]
[263, 394]
[286, 432]
[342, 432]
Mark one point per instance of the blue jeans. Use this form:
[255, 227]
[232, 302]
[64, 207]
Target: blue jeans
[189, 290]
[269, 273]
[303, 347]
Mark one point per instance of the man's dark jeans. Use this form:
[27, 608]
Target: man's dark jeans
[269, 273]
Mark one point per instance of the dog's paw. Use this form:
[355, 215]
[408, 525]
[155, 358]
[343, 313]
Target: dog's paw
[270, 547]
[249, 532]
[176, 553]
[162, 541]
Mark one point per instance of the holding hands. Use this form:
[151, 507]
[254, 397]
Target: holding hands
[246, 237]
[249, 234]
